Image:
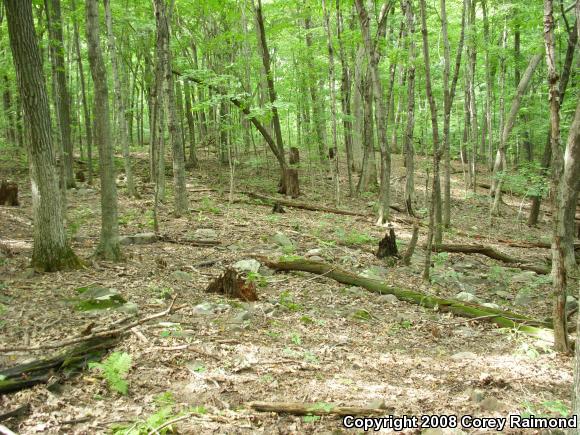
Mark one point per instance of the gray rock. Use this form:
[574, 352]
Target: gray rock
[490, 305]
[464, 356]
[464, 267]
[180, 275]
[467, 297]
[524, 277]
[266, 271]
[356, 291]
[250, 265]
[523, 298]
[388, 299]
[375, 272]
[503, 294]
[377, 404]
[243, 317]
[316, 258]
[282, 239]
[205, 308]
[100, 293]
[205, 234]
[314, 252]
[129, 308]
[138, 239]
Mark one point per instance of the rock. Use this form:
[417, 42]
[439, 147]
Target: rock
[97, 293]
[388, 299]
[490, 305]
[180, 275]
[316, 258]
[476, 395]
[282, 239]
[205, 308]
[467, 297]
[314, 252]
[464, 267]
[356, 291]
[377, 404]
[85, 191]
[347, 259]
[375, 272]
[250, 265]
[503, 294]
[243, 317]
[571, 303]
[129, 308]
[138, 239]
[489, 404]
[99, 298]
[524, 277]
[266, 271]
[464, 356]
[523, 298]
[205, 234]
[27, 273]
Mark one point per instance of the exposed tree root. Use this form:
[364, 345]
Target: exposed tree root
[505, 319]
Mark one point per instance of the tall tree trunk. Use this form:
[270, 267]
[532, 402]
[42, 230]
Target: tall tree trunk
[10, 129]
[561, 343]
[193, 162]
[489, 87]
[345, 96]
[511, 118]
[547, 155]
[381, 106]
[51, 250]
[318, 118]
[108, 247]
[435, 194]
[332, 101]
[122, 135]
[448, 97]
[62, 94]
[86, 116]
[408, 138]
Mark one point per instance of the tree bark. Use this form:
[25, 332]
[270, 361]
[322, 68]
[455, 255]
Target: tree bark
[51, 250]
[408, 147]
[120, 112]
[108, 247]
[561, 343]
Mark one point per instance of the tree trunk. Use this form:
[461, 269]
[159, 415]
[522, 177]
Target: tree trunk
[561, 343]
[62, 94]
[86, 116]
[193, 162]
[50, 250]
[408, 138]
[120, 112]
[511, 118]
[108, 247]
[381, 105]
[435, 194]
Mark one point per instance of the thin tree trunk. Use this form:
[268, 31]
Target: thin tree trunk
[50, 251]
[511, 118]
[193, 162]
[408, 138]
[435, 194]
[108, 247]
[120, 112]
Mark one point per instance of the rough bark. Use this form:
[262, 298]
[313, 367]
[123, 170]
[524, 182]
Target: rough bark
[296, 408]
[193, 161]
[50, 250]
[435, 191]
[120, 104]
[561, 343]
[162, 17]
[408, 147]
[62, 94]
[108, 247]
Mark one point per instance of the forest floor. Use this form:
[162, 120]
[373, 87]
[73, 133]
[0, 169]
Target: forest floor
[308, 338]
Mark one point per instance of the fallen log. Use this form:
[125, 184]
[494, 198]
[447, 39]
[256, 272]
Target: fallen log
[488, 251]
[36, 372]
[505, 319]
[298, 408]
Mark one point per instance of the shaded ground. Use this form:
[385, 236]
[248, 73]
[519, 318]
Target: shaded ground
[308, 338]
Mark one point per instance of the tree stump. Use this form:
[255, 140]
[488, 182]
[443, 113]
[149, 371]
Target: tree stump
[277, 208]
[294, 156]
[388, 246]
[233, 285]
[9, 193]
[80, 176]
[331, 153]
[289, 184]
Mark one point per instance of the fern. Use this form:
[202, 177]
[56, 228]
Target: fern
[114, 369]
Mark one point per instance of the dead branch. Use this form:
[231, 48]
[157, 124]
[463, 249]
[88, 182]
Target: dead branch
[297, 408]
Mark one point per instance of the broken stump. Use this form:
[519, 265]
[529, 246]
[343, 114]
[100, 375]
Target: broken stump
[233, 285]
[388, 246]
